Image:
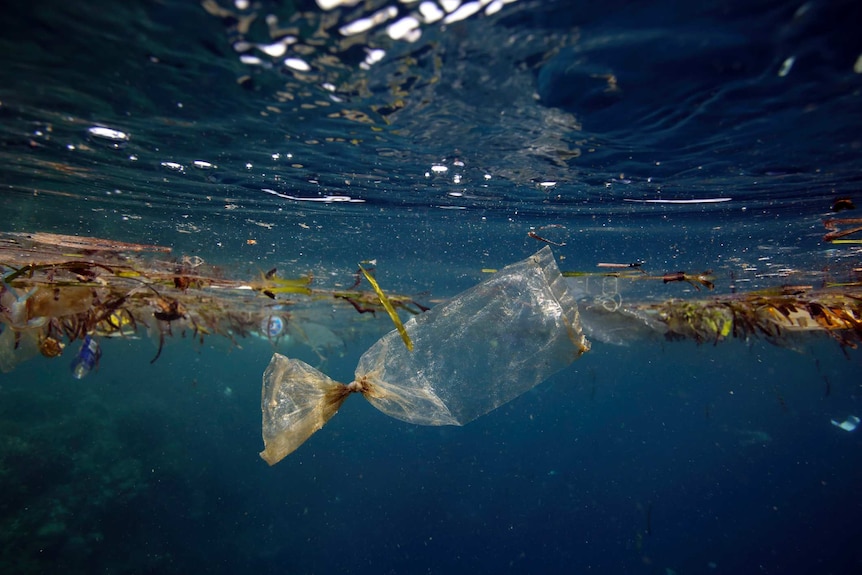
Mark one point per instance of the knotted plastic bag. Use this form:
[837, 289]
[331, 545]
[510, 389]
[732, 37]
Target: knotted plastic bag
[483, 348]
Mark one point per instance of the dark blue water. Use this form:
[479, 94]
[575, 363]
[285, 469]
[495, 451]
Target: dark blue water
[561, 118]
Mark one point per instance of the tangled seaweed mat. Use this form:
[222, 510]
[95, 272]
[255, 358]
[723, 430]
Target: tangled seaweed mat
[483, 348]
[56, 289]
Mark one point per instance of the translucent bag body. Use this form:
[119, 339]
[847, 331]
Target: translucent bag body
[476, 352]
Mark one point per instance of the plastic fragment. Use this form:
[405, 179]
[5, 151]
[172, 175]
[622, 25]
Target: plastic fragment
[848, 424]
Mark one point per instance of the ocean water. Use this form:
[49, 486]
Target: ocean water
[309, 137]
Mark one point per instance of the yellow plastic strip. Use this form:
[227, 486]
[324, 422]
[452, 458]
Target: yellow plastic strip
[387, 305]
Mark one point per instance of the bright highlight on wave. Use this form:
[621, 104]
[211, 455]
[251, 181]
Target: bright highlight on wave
[323, 199]
[695, 201]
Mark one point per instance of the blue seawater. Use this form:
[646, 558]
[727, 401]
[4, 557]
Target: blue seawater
[310, 136]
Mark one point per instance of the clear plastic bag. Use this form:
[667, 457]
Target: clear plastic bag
[476, 352]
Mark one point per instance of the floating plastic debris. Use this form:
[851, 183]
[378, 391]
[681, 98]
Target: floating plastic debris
[786, 66]
[87, 358]
[57, 289]
[481, 349]
[272, 327]
[848, 424]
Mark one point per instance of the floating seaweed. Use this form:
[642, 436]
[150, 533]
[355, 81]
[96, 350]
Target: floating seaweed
[635, 272]
[773, 315]
[57, 289]
[778, 314]
[840, 228]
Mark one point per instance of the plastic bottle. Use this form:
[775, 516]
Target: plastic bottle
[272, 326]
[87, 358]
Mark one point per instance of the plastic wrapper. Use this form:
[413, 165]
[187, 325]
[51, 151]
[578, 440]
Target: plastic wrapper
[471, 355]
